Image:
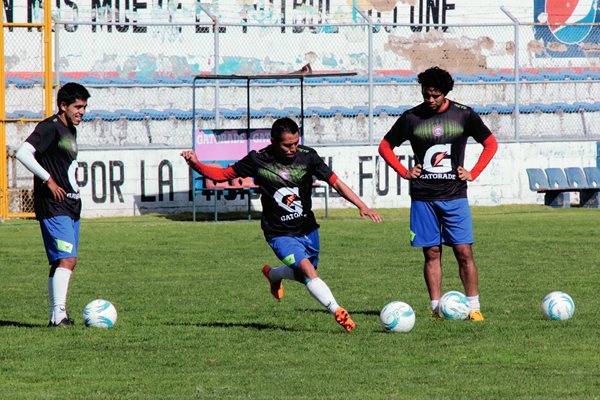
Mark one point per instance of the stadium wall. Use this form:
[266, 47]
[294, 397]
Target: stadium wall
[134, 182]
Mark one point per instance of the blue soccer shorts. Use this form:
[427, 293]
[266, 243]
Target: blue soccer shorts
[61, 237]
[293, 249]
[440, 222]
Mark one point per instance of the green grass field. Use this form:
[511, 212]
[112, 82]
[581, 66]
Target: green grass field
[196, 320]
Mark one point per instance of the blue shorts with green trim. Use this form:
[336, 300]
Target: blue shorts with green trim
[61, 237]
[293, 249]
[440, 222]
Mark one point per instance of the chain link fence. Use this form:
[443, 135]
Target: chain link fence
[140, 77]
[24, 106]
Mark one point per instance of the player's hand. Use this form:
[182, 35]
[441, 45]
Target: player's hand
[414, 172]
[57, 192]
[372, 214]
[464, 175]
[190, 157]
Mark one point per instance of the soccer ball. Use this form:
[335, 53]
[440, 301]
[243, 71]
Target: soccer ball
[558, 306]
[454, 305]
[100, 313]
[397, 317]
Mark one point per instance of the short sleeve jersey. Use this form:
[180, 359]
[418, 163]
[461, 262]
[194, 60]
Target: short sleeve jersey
[56, 150]
[438, 141]
[286, 189]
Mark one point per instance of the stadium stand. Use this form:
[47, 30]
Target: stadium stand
[557, 183]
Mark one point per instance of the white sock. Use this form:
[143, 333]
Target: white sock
[320, 291]
[51, 298]
[435, 304]
[60, 287]
[473, 302]
[280, 273]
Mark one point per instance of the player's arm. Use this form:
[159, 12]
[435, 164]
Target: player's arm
[26, 155]
[349, 195]
[386, 151]
[217, 174]
[490, 146]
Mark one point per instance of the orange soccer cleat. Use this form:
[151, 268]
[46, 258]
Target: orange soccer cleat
[276, 287]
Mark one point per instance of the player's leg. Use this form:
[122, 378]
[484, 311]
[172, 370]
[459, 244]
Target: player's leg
[301, 255]
[61, 239]
[458, 232]
[426, 233]
[290, 250]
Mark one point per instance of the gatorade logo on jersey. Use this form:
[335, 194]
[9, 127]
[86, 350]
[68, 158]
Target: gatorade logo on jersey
[560, 14]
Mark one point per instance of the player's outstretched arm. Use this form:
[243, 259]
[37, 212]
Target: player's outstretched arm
[217, 174]
[349, 195]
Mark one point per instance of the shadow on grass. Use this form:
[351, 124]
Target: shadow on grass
[247, 325]
[21, 324]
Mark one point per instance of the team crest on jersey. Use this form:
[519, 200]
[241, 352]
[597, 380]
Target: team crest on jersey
[284, 174]
[437, 130]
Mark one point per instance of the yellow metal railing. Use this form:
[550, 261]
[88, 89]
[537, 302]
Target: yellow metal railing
[46, 28]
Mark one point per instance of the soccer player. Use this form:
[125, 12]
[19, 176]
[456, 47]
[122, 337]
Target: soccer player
[284, 171]
[437, 130]
[50, 153]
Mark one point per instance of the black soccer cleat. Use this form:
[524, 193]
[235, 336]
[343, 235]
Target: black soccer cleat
[65, 323]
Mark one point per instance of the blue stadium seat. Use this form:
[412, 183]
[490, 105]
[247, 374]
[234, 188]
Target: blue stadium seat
[20, 83]
[180, 114]
[349, 112]
[232, 114]
[27, 114]
[321, 112]
[589, 195]
[275, 112]
[592, 175]
[107, 115]
[557, 178]
[566, 107]
[482, 109]
[576, 178]
[131, 114]
[527, 108]
[539, 182]
[314, 81]
[365, 79]
[155, 114]
[411, 78]
[336, 79]
[204, 114]
[537, 179]
[530, 77]
[390, 110]
[502, 108]
[381, 79]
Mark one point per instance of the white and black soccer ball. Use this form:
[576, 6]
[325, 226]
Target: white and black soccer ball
[558, 306]
[397, 316]
[453, 305]
[100, 313]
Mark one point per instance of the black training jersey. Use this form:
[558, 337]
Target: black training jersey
[438, 142]
[56, 150]
[286, 189]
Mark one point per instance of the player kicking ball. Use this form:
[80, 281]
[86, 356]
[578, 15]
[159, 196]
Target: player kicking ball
[284, 172]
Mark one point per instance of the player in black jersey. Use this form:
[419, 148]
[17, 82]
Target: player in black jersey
[284, 172]
[50, 153]
[438, 130]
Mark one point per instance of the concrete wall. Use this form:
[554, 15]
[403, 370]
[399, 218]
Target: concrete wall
[134, 182]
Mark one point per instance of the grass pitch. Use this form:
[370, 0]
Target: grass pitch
[196, 320]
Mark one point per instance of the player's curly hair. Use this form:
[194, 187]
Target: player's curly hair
[437, 78]
[281, 126]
